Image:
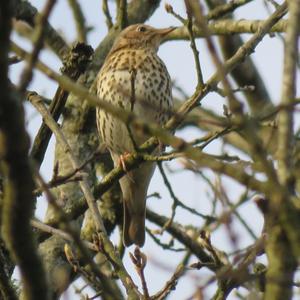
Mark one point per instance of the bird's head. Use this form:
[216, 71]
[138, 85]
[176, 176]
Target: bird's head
[141, 36]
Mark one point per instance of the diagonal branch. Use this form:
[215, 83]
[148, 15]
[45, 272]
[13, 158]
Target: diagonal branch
[39, 35]
[84, 185]
[26, 12]
[75, 64]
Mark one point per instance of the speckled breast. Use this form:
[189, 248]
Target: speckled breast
[134, 80]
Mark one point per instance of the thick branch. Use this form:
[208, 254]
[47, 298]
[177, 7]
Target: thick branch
[285, 138]
[18, 201]
[227, 27]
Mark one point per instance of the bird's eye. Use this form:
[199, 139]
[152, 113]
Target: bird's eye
[141, 29]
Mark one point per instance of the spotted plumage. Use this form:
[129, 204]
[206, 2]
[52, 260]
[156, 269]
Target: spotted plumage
[135, 79]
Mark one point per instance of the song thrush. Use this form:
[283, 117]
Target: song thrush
[135, 79]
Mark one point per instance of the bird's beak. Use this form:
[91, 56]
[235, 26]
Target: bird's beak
[165, 31]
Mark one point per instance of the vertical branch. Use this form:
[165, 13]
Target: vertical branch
[107, 15]
[195, 8]
[79, 20]
[282, 262]
[286, 141]
[122, 14]
[283, 246]
[189, 26]
[7, 291]
[18, 201]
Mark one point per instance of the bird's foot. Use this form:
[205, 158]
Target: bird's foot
[161, 146]
[122, 162]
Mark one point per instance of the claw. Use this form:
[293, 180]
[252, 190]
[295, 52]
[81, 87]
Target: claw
[122, 164]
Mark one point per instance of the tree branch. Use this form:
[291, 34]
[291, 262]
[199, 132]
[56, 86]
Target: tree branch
[26, 12]
[18, 201]
[79, 21]
[227, 27]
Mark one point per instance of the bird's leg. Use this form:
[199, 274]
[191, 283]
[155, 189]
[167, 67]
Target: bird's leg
[161, 146]
[122, 164]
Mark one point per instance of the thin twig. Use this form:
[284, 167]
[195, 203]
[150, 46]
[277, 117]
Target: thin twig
[74, 64]
[139, 260]
[164, 246]
[170, 284]
[79, 268]
[79, 20]
[69, 177]
[107, 15]
[14, 60]
[172, 194]
[24, 11]
[181, 235]
[222, 10]
[73, 233]
[177, 202]
[35, 100]
[216, 135]
[49, 229]
[38, 44]
[189, 25]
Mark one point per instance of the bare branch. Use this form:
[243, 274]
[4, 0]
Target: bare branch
[79, 21]
[84, 185]
[122, 14]
[227, 27]
[39, 34]
[18, 201]
[75, 64]
[26, 12]
[107, 15]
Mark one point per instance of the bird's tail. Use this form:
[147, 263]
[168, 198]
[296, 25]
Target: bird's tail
[133, 227]
[134, 187]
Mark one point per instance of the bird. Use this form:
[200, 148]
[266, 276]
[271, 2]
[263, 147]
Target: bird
[135, 79]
